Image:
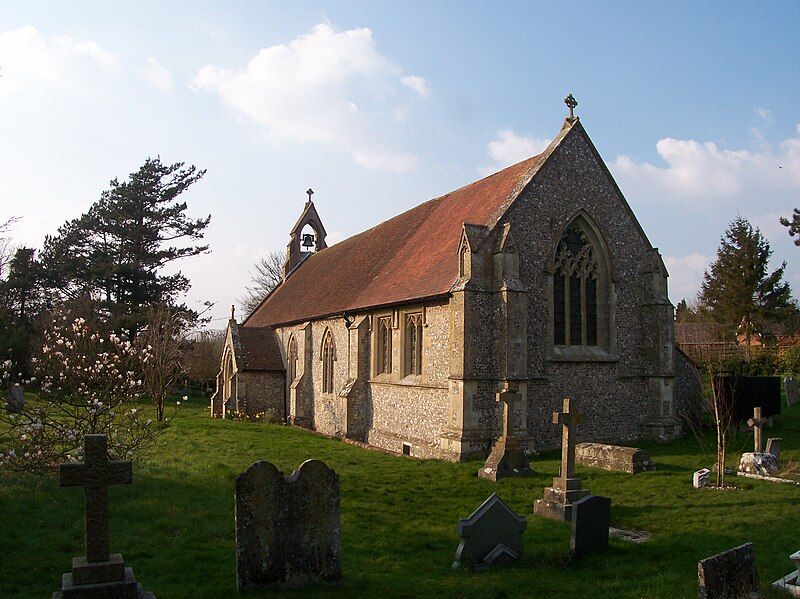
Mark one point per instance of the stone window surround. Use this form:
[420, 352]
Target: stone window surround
[412, 355]
[383, 363]
[395, 377]
[605, 350]
[327, 380]
[291, 359]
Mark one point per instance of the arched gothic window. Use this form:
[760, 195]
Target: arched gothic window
[575, 289]
[328, 356]
[292, 359]
[384, 345]
[413, 343]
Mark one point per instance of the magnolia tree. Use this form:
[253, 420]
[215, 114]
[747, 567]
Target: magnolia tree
[89, 381]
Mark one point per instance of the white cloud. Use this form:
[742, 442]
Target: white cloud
[30, 62]
[509, 148]
[418, 84]
[159, 76]
[703, 174]
[686, 274]
[326, 86]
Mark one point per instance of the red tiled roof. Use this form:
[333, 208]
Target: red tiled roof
[259, 349]
[409, 257]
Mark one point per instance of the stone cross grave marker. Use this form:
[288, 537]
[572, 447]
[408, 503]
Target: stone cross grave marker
[757, 423]
[591, 517]
[99, 573]
[287, 527]
[95, 475]
[566, 489]
[492, 535]
[507, 457]
[728, 575]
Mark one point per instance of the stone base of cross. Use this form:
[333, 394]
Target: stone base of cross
[566, 489]
[99, 573]
[507, 457]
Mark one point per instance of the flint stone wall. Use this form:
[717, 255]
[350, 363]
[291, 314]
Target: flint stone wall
[287, 528]
[261, 392]
[613, 457]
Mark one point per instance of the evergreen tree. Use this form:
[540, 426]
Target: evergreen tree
[116, 252]
[794, 225]
[738, 287]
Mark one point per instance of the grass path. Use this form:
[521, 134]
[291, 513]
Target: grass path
[174, 525]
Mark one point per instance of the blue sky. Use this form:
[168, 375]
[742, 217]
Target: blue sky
[695, 107]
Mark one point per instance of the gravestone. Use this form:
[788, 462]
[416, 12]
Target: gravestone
[730, 575]
[792, 387]
[16, 398]
[507, 457]
[287, 527]
[492, 535]
[566, 489]
[701, 478]
[99, 573]
[591, 516]
[791, 582]
[613, 457]
[774, 446]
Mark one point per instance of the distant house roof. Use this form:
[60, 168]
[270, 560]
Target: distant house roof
[409, 257]
[256, 348]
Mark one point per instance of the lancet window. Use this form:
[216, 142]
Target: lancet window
[328, 355]
[575, 289]
[413, 344]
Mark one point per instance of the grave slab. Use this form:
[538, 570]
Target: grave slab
[591, 517]
[728, 575]
[615, 458]
[287, 528]
[790, 583]
[491, 535]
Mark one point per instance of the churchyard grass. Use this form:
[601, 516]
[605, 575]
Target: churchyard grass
[175, 524]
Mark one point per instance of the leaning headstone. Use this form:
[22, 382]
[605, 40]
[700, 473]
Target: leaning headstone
[491, 536]
[792, 387]
[287, 528]
[791, 582]
[701, 478]
[99, 573]
[613, 457]
[591, 516]
[729, 575]
[566, 489]
[16, 398]
[774, 446]
[507, 457]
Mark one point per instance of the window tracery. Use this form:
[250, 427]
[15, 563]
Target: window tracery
[575, 289]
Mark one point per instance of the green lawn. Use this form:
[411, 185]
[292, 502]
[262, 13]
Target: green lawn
[175, 524]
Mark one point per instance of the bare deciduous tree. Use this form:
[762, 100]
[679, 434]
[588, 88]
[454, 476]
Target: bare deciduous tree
[163, 339]
[201, 357]
[268, 274]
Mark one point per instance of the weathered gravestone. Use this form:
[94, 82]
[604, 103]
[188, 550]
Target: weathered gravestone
[287, 528]
[774, 446]
[758, 462]
[613, 457]
[507, 457]
[728, 575]
[791, 582]
[591, 517]
[98, 574]
[491, 536]
[16, 398]
[792, 387]
[701, 478]
[566, 489]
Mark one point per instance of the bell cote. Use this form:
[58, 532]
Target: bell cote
[307, 237]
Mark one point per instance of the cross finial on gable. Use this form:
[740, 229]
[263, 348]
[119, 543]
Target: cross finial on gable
[310, 193]
[233, 311]
[571, 103]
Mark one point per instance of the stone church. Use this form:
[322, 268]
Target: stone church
[537, 278]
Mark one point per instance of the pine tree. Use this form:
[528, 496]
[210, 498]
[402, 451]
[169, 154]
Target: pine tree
[793, 225]
[738, 287]
[115, 252]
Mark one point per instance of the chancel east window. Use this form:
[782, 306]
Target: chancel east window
[327, 362]
[413, 344]
[292, 360]
[384, 345]
[575, 284]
